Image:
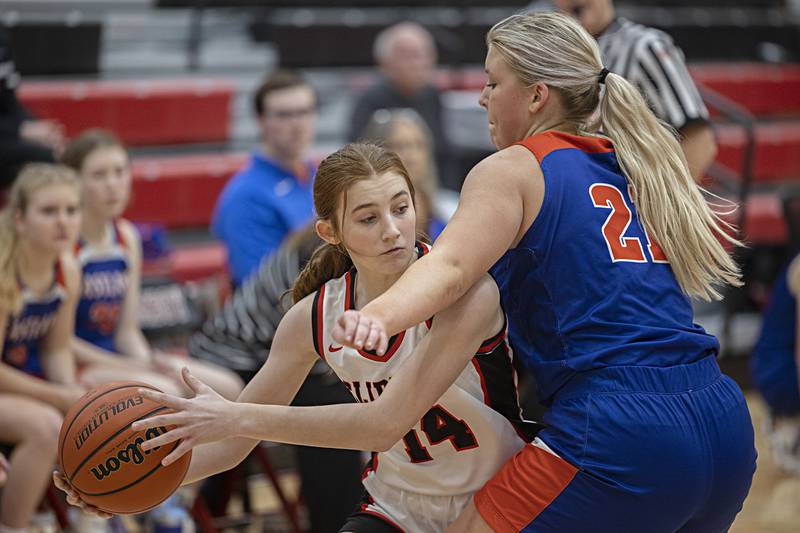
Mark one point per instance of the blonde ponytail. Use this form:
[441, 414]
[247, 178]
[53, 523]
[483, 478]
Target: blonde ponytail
[670, 205]
[554, 49]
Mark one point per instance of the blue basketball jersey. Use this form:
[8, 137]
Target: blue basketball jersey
[586, 288]
[103, 290]
[26, 330]
[773, 357]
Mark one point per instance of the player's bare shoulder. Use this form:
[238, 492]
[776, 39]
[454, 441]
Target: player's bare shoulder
[511, 165]
[296, 323]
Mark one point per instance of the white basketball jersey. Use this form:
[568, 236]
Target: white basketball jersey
[463, 439]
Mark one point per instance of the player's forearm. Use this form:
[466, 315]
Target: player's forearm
[89, 354]
[14, 381]
[213, 458]
[433, 283]
[59, 366]
[345, 426]
[130, 341]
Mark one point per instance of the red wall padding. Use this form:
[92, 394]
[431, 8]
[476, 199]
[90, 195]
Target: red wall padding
[140, 112]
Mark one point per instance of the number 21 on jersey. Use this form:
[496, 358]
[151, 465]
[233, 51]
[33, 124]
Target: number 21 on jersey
[620, 247]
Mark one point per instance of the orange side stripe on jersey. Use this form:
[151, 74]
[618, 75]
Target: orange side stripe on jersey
[523, 488]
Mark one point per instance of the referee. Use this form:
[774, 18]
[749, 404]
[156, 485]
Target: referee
[649, 59]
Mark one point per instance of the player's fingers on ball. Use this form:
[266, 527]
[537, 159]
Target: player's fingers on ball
[161, 440]
[164, 399]
[168, 419]
[90, 509]
[176, 454]
[58, 480]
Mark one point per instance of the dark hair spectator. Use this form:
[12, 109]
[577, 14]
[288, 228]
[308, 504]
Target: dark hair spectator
[271, 196]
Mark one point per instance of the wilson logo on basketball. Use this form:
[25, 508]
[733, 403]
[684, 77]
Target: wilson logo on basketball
[98, 419]
[132, 453]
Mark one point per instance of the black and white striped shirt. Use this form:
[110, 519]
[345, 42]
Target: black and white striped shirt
[239, 337]
[649, 59]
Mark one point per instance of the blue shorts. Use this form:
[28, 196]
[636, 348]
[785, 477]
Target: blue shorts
[631, 449]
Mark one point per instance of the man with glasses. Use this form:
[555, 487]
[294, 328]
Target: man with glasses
[272, 196]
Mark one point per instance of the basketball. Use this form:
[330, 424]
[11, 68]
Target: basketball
[100, 455]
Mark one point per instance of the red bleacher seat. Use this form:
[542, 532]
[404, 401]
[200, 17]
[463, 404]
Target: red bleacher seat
[180, 191]
[141, 112]
[198, 261]
[764, 223]
[762, 89]
[189, 263]
[777, 151]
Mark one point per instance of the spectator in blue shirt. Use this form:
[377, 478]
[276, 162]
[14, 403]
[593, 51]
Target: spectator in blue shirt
[270, 197]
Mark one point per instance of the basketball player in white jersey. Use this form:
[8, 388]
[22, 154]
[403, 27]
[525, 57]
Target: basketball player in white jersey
[418, 479]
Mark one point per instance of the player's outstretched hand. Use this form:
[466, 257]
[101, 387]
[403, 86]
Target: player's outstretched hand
[208, 417]
[73, 498]
[360, 331]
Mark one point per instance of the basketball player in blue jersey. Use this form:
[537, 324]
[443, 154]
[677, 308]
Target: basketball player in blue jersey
[108, 341]
[426, 468]
[39, 285]
[774, 364]
[596, 241]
